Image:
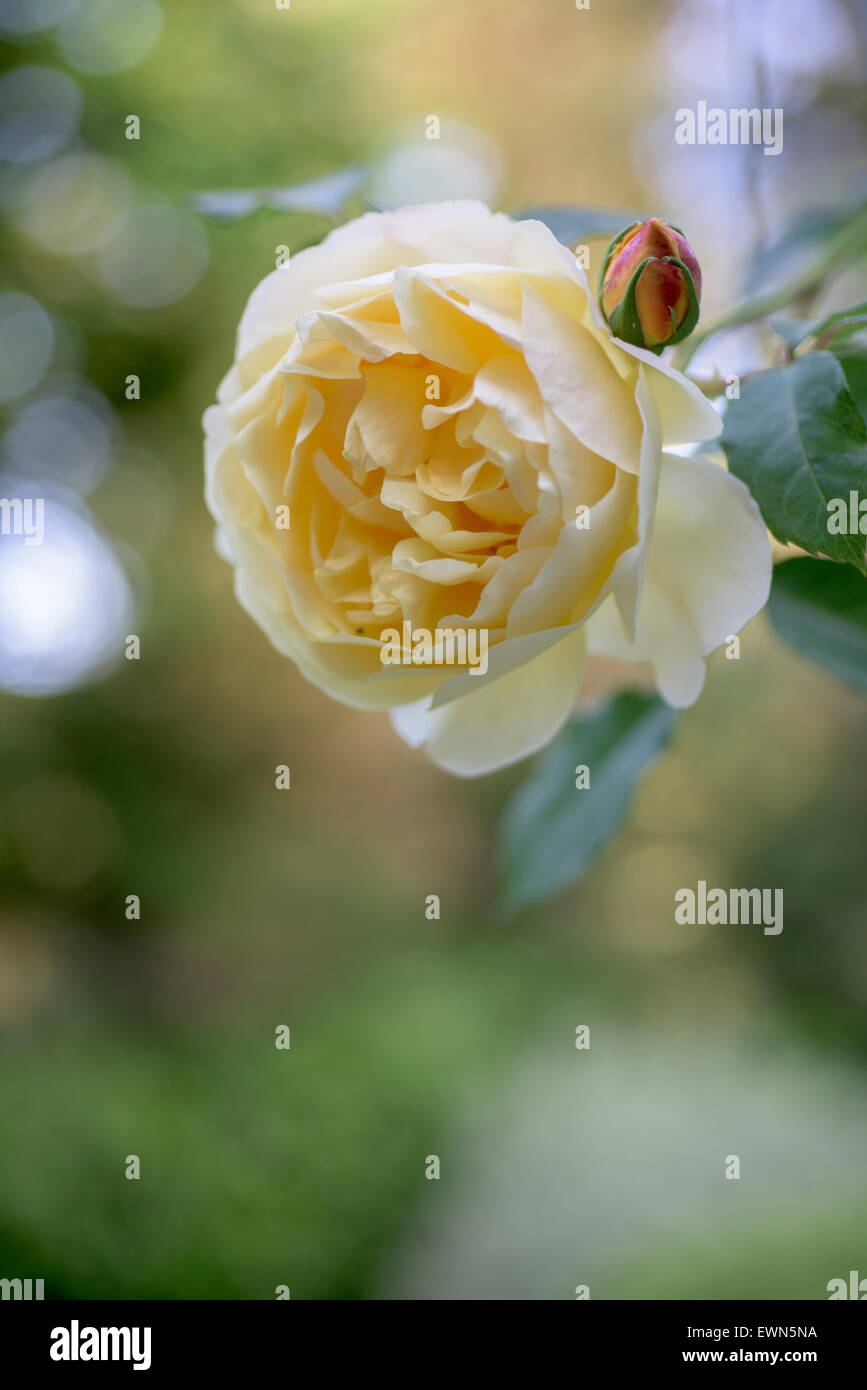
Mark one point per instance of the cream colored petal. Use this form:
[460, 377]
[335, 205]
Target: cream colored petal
[628, 575]
[439, 327]
[439, 530]
[582, 477]
[453, 232]
[506, 384]
[417, 557]
[499, 721]
[686, 414]
[365, 338]
[387, 423]
[499, 506]
[491, 431]
[580, 566]
[318, 354]
[359, 249]
[435, 414]
[535, 246]
[709, 572]
[489, 294]
[578, 383]
[502, 589]
[458, 476]
[503, 658]
[368, 246]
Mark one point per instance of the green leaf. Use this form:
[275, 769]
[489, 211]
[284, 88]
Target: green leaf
[821, 610]
[798, 440]
[830, 245]
[854, 366]
[844, 322]
[837, 329]
[552, 830]
[792, 331]
[577, 224]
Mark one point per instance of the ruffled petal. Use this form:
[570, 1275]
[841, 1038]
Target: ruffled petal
[709, 572]
[506, 718]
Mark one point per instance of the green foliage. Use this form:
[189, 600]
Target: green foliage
[259, 1166]
[853, 360]
[821, 610]
[799, 265]
[798, 440]
[838, 331]
[571, 224]
[552, 829]
[844, 324]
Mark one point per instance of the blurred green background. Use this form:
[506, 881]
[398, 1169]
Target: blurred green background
[410, 1037]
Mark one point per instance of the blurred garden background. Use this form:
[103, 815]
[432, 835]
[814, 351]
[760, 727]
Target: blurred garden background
[155, 777]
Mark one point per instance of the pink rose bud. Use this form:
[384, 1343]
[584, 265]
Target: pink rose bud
[650, 285]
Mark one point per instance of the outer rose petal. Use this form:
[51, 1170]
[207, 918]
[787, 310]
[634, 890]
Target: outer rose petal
[506, 719]
[372, 244]
[708, 573]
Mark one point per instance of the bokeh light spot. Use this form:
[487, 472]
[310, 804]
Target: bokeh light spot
[65, 605]
[155, 256]
[102, 36]
[26, 344]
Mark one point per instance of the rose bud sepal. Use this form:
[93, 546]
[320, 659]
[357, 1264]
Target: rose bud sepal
[650, 285]
[625, 320]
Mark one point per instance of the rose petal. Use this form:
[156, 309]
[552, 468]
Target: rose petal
[709, 573]
[505, 719]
